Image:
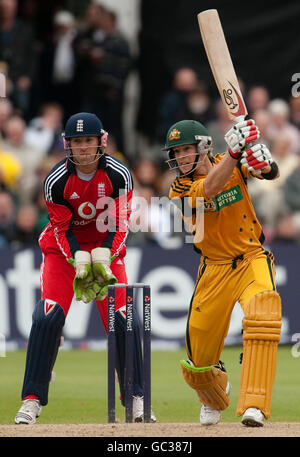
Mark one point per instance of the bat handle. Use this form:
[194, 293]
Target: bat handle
[239, 119]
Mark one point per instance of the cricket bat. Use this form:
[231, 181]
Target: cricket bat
[221, 64]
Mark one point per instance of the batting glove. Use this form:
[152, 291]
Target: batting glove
[240, 135]
[257, 157]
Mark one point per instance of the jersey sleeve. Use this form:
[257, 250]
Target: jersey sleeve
[120, 210]
[186, 187]
[60, 215]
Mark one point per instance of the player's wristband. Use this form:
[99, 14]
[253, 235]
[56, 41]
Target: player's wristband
[234, 155]
[272, 173]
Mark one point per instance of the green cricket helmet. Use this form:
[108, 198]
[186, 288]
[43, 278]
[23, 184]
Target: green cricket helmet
[187, 132]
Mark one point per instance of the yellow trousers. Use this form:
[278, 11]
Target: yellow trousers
[219, 286]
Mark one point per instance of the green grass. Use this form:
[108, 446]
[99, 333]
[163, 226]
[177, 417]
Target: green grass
[79, 393]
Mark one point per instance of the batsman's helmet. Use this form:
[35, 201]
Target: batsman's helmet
[187, 132]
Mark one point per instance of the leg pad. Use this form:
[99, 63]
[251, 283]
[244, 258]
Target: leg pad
[44, 341]
[209, 383]
[261, 334]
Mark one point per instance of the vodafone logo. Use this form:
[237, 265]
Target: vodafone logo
[86, 210]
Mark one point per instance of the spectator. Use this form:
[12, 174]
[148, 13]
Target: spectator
[17, 49]
[58, 66]
[10, 170]
[174, 101]
[258, 98]
[262, 120]
[291, 189]
[268, 199]
[39, 201]
[165, 180]
[289, 227]
[28, 156]
[103, 66]
[113, 150]
[7, 217]
[197, 105]
[218, 127]
[44, 131]
[150, 221]
[146, 173]
[45, 167]
[294, 104]
[6, 111]
[280, 124]
[25, 232]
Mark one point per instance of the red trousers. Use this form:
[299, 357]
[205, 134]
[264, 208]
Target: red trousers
[57, 276]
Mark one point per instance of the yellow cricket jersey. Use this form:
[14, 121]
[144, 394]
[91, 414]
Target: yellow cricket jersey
[231, 227]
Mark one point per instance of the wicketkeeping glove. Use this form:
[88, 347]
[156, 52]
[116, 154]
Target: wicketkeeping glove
[102, 293]
[101, 260]
[84, 285]
[241, 134]
[257, 157]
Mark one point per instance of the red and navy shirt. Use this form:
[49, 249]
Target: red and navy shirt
[95, 211]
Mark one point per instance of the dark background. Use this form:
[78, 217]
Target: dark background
[263, 40]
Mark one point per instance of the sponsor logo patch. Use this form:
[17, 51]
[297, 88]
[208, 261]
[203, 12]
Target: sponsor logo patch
[225, 198]
[74, 195]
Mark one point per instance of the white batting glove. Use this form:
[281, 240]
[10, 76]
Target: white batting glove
[240, 135]
[257, 157]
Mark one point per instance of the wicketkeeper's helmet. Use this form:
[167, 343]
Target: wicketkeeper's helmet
[84, 124]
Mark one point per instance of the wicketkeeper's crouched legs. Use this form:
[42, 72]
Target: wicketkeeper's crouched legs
[120, 326]
[48, 320]
[261, 334]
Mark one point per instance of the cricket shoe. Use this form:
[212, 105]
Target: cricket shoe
[210, 416]
[138, 410]
[28, 413]
[253, 417]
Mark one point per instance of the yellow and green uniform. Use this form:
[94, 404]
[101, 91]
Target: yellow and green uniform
[234, 265]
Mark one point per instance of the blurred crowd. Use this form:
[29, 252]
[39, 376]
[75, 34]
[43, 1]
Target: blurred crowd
[83, 65]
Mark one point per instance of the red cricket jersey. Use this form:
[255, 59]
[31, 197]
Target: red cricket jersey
[83, 212]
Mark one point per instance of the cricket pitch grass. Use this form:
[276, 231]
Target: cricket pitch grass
[78, 399]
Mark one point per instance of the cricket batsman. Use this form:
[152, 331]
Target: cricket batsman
[234, 267]
[88, 196]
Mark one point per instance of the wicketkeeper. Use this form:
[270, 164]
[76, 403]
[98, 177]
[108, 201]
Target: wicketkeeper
[88, 196]
[234, 267]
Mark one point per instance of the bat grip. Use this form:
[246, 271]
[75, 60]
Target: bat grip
[239, 119]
